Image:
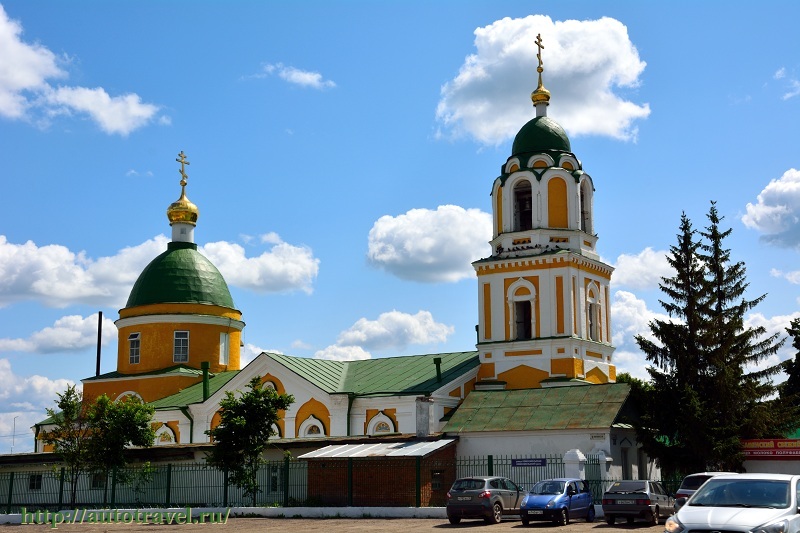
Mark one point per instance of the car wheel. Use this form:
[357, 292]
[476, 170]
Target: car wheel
[563, 518]
[497, 514]
[590, 513]
[525, 521]
[654, 517]
[630, 520]
[454, 520]
[610, 520]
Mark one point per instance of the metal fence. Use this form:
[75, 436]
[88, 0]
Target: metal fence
[411, 482]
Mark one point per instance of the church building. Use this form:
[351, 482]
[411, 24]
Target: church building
[542, 362]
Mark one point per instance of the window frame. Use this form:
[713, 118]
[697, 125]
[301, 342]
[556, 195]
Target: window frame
[176, 348]
[134, 348]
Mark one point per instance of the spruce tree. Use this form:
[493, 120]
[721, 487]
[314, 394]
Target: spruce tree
[739, 385]
[710, 388]
[670, 426]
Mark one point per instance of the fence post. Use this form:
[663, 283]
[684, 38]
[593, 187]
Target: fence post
[225, 487]
[10, 492]
[113, 487]
[349, 481]
[419, 480]
[574, 464]
[285, 481]
[169, 484]
[490, 466]
[61, 488]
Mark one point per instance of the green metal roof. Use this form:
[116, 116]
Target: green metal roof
[171, 371]
[194, 393]
[557, 408]
[410, 374]
[540, 134]
[180, 275]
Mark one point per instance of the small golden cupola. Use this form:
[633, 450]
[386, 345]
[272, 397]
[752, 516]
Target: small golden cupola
[182, 213]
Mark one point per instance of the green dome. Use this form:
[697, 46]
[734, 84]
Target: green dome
[180, 275]
[540, 134]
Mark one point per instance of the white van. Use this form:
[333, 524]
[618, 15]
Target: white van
[763, 503]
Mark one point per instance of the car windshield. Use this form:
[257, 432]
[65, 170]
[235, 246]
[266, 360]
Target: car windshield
[626, 487]
[720, 492]
[468, 484]
[548, 487]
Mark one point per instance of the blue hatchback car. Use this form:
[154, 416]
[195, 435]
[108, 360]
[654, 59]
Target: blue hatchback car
[559, 500]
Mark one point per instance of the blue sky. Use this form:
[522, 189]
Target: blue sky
[342, 155]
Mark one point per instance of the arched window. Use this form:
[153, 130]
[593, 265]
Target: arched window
[380, 423]
[593, 316]
[164, 435]
[523, 206]
[522, 318]
[312, 427]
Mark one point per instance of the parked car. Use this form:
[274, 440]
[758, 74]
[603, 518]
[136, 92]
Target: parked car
[766, 503]
[559, 500]
[691, 483]
[487, 497]
[636, 499]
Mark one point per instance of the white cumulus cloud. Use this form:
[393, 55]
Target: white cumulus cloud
[67, 334]
[630, 317]
[393, 329]
[284, 268]
[295, 76]
[431, 246]
[642, 271]
[24, 398]
[776, 213]
[586, 64]
[27, 72]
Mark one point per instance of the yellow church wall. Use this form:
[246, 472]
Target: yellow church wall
[559, 305]
[486, 371]
[597, 376]
[316, 409]
[150, 388]
[568, 366]
[523, 377]
[487, 311]
[156, 341]
[557, 212]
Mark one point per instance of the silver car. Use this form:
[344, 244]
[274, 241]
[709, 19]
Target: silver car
[487, 497]
[766, 503]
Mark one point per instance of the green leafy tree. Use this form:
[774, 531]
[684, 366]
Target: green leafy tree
[92, 436]
[246, 424]
[703, 360]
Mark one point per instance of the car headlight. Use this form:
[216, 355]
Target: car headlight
[772, 527]
[524, 501]
[552, 504]
[673, 525]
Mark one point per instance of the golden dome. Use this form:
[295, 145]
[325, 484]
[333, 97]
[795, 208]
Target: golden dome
[540, 95]
[183, 210]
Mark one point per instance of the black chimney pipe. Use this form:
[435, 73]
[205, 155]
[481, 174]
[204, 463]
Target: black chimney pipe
[99, 341]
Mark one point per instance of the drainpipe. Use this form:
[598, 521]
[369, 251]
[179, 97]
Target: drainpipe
[188, 415]
[350, 399]
[438, 362]
[205, 366]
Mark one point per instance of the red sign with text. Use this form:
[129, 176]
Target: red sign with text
[771, 448]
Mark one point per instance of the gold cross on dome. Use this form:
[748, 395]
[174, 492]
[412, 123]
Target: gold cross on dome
[182, 160]
[539, 54]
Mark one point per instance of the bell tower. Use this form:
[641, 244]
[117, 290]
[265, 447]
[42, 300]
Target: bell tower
[543, 294]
